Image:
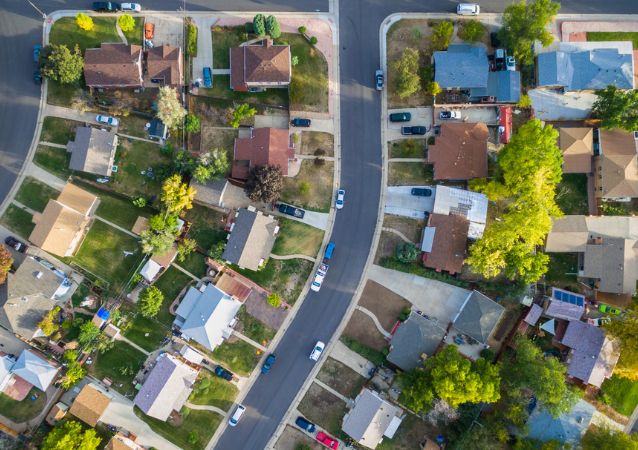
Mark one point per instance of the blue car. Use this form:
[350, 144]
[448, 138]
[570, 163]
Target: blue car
[36, 52]
[208, 77]
[305, 424]
[270, 360]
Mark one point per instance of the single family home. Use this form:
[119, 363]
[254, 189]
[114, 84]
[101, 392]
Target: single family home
[113, 66]
[30, 370]
[416, 339]
[459, 152]
[467, 204]
[576, 144]
[264, 146]
[251, 239]
[259, 66]
[92, 151]
[616, 166]
[444, 241]
[90, 404]
[123, 442]
[164, 65]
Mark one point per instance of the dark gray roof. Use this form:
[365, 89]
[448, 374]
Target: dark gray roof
[157, 129]
[212, 192]
[533, 314]
[414, 337]
[461, 66]
[505, 85]
[93, 150]
[251, 239]
[478, 317]
[238, 238]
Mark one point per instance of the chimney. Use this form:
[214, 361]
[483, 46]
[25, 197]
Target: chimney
[268, 43]
[38, 274]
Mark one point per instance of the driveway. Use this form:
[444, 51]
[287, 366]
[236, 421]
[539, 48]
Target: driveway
[312, 218]
[168, 30]
[271, 121]
[204, 45]
[72, 114]
[420, 116]
[400, 202]
[550, 105]
[325, 125]
[470, 114]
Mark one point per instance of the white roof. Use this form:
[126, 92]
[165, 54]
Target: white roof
[623, 47]
[190, 354]
[35, 370]
[428, 239]
[468, 204]
[6, 364]
[150, 270]
[371, 418]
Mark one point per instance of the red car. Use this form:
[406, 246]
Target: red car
[326, 440]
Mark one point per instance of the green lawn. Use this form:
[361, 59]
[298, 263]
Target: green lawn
[221, 90]
[312, 188]
[195, 263]
[213, 391]
[621, 394]
[613, 36]
[35, 194]
[408, 148]
[309, 84]
[254, 328]
[58, 131]
[562, 270]
[54, 160]
[147, 333]
[18, 220]
[571, 194]
[79, 294]
[133, 126]
[239, 356]
[24, 410]
[171, 282]
[136, 157]
[410, 173]
[374, 356]
[297, 238]
[120, 364]
[65, 94]
[65, 31]
[134, 36]
[223, 39]
[207, 226]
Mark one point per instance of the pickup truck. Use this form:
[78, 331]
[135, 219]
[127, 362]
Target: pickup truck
[291, 211]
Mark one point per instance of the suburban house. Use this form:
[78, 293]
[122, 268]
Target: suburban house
[113, 65]
[57, 413]
[459, 202]
[259, 66]
[29, 294]
[565, 305]
[206, 315]
[212, 192]
[445, 250]
[568, 428]
[122, 442]
[18, 377]
[60, 228]
[167, 387]
[234, 286]
[576, 145]
[416, 339]
[372, 418]
[164, 65]
[616, 166]
[459, 152]
[252, 236]
[93, 151]
[265, 146]
[90, 404]
[156, 264]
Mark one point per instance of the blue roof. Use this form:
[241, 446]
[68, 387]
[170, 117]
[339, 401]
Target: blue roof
[103, 314]
[461, 66]
[157, 129]
[505, 85]
[569, 427]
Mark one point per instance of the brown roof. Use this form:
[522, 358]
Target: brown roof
[448, 243]
[233, 287]
[617, 165]
[121, 442]
[266, 146]
[113, 65]
[167, 258]
[459, 152]
[90, 404]
[165, 62]
[141, 224]
[576, 145]
[259, 65]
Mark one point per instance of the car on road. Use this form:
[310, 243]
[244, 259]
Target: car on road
[149, 30]
[320, 275]
[450, 115]
[15, 244]
[291, 211]
[305, 424]
[208, 77]
[327, 440]
[223, 373]
[378, 80]
[106, 6]
[609, 309]
[107, 120]
[37, 48]
[341, 193]
[468, 9]
[421, 192]
[135, 7]
[400, 117]
[270, 360]
[37, 77]
[234, 419]
[406, 131]
[299, 122]
[317, 351]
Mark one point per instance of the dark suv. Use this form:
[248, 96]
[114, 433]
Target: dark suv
[413, 130]
[305, 424]
[400, 117]
[421, 192]
[15, 244]
[291, 211]
[223, 373]
[106, 6]
[297, 122]
[270, 360]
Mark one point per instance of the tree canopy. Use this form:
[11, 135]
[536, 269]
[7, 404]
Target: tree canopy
[192, 123]
[49, 325]
[84, 22]
[441, 35]
[406, 67]
[239, 113]
[597, 438]
[272, 27]
[625, 328]
[176, 195]
[264, 184]
[169, 107]
[126, 22]
[69, 435]
[471, 30]
[5, 263]
[88, 333]
[59, 63]
[151, 300]
[617, 108]
[259, 25]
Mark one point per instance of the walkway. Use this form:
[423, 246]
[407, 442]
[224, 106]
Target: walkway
[351, 359]
[332, 391]
[295, 256]
[204, 56]
[120, 33]
[114, 225]
[51, 144]
[137, 138]
[181, 269]
[398, 233]
[249, 340]
[214, 409]
[70, 114]
[45, 177]
[312, 157]
[132, 344]
[221, 71]
[371, 315]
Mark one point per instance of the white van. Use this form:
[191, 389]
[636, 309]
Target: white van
[468, 9]
[236, 415]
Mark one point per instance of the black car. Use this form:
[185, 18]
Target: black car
[400, 117]
[297, 122]
[106, 6]
[305, 424]
[291, 211]
[223, 373]
[270, 360]
[37, 77]
[413, 130]
[15, 244]
[421, 192]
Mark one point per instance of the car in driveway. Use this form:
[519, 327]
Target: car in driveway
[135, 7]
[223, 373]
[208, 77]
[341, 194]
[16, 244]
[400, 117]
[291, 211]
[418, 130]
[37, 48]
[378, 80]
[444, 115]
[421, 192]
[299, 122]
[317, 351]
[305, 424]
[327, 440]
[107, 120]
[270, 360]
[608, 309]
[106, 6]
[599, 321]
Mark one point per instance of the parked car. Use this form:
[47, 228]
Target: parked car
[135, 7]
[108, 120]
[208, 77]
[320, 275]
[599, 321]
[234, 419]
[327, 440]
[488, 99]
[223, 373]
[510, 63]
[400, 117]
[499, 58]
[378, 80]
[291, 211]
[316, 352]
[149, 30]
[413, 130]
[341, 193]
[305, 424]
[609, 309]
[421, 192]
[106, 6]
[468, 9]
[298, 122]
[270, 360]
[37, 77]
[15, 244]
[450, 115]
[36, 52]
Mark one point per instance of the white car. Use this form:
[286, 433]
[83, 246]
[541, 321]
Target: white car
[341, 193]
[316, 352]
[135, 7]
[108, 120]
[234, 419]
[443, 115]
[319, 276]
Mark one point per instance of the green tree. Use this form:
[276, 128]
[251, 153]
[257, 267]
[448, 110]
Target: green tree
[313, 40]
[49, 324]
[272, 27]
[213, 164]
[241, 112]
[69, 435]
[617, 108]
[264, 184]
[441, 35]
[597, 438]
[526, 22]
[471, 30]
[433, 88]
[217, 250]
[140, 202]
[191, 40]
[126, 23]
[407, 78]
[151, 300]
[192, 123]
[74, 373]
[84, 22]
[185, 248]
[625, 328]
[416, 390]
[176, 195]
[259, 25]
[525, 102]
[274, 300]
[59, 63]
[406, 252]
[169, 108]
[88, 333]
[6, 261]
[302, 29]
[294, 61]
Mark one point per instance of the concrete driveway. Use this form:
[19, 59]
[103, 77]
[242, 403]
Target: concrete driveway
[168, 30]
[312, 218]
[204, 56]
[325, 125]
[271, 121]
[550, 105]
[470, 114]
[420, 116]
[400, 202]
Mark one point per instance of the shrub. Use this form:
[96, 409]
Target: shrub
[471, 30]
[304, 188]
[433, 88]
[126, 22]
[295, 60]
[191, 40]
[140, 202]
[272, 27]
[320, 152]
[84, 22]
[407, 80]
[302, 30]
[313, 40]
[320, 162]
[192, 123]
[441, 35]
[274, 300]
[217, 251]
[525, 102]
[259, 25]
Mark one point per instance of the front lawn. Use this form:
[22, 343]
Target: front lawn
[597, 36]
[54, 160]
[146, 332]
[312, 188]
[18, 220]
[207, 226]
[410, 173]
[224, 38]
[35, 194]
[134, 36]
[309, 84]
[214, 391]
[408, 148]
[141, 168]
[237, 356]
[65, 94]
[571, 194]
[621, 394]
[255, 329]
[121, 363]
[341, 378]
[221, 90]
[24, 410]
[65, 31]
[316, 143]
[285, 277]
[58, 131]
[171, 283]
[323, 408]
[297, 238]
[374, 356]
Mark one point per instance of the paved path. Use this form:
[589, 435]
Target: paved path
[204, 56]
[351, 359]
[120, 33]
[221, 71]
[214, 409]
[371, 315]
[137, 138]
[312, 218]
[71, 114]
[295, 256]
[114, 225]
[132, 344]
[25, 207]
[332, 391]
[181, 269]
[45, 177]
[250, 341]
[398, 233]
[51, 144]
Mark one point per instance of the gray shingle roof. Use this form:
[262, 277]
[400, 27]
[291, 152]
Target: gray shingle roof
[251, 239]
[370, 418]
[93, 151]
[414, 337]
[478, 317]
[461, 66]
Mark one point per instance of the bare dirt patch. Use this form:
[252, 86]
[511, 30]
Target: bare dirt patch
[383, 303]
[387, 244]
[362, 329]
[412, 432]
[411, 228]
[323, 408]
[212, 137]
[311, 141]
[293, 439]
[341, 378]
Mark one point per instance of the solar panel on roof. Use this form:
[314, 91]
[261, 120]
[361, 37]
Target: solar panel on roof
[568, 297]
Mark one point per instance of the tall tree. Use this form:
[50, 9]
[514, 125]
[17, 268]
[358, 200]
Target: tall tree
[259, 25]
[6, 261]
[272, 27]
[617, 108]
[151, 300]
[241, 112]
[407, 73]
[84, 22]
[74, 373]
[441, 35]
[625, 328]
[59, 63]
[471, 30]
[69, 435]
[176, 195]
[597, 438]
[88, 333]
[49, 325]
[169, 108]
[192, 123]
[185, 248]
[264, 184]
[126, 22]
[157, 242]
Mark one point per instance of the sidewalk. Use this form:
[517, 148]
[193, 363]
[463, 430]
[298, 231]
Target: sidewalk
[71, 114]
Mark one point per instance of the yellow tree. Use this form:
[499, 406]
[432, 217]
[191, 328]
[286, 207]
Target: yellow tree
[176, 195]
[84, 22]
[5, 263]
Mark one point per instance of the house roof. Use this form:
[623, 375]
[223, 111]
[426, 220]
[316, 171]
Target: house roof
[90, 404]
[568, 234]
[478, 316]
[461, 66]
[565, 311]
[618, 164]
[568, 427]
[594, 356]
[113, 65]
[93, 151]
[166, 388]
[157, 129]
[459, 202]
[211, 193]
[370, 418]
[449, 239]
[35, 370]
[121, 442]
[234, 287]
[614, 262]
[165, 62]
[265, 146]
[416, 336]
[150, 270]
[459, 152]
[263, 64]
[533, 314]
[576, 144]
[141, 224]
[505, 85]
[206, 315]
[251, 239]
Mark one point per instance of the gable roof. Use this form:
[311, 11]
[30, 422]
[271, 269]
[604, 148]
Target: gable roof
[165, 63]
[460, 202]
[121, 442]
[251, 239]
[461, 66]
[265, 146]
[568, 427]
[533, 314]
[234, 286]
[93, 150]
[34, 370]
[263, 64]
[564, 310]
[113, 65]
[614, 262]
[618, 164]
[478, 317]
[416, 336]
[370, 418]
[459, 152]
[448, 241]
[568, 234]
[90, 404]
[576, 144]
[505, 85]
[166, 388]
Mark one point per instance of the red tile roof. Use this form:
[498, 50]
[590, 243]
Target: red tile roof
[165, 62]
[113, 65]
[459, 152]
[259, 65]
[449, 243]
[266, 146]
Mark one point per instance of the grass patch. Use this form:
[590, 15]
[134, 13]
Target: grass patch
[120, 364]
[65, 31]
[410, 173]
[341, 378]
[58, 131]
[146, 332]
[54, 160]
[221, 90]
[133, 126]
[65, 94]
[201, 424]
[374, 356]
[24, 410]
[309, 84]
[35, 194]
[18, 220]
[571, 194]
[297, 238]
[195, 263]
[213, 391]
[620, 393]
[312, 188]
[80, 293]
[323, 408]
[255, 329]
[134, 36]
[390, 262]
[224, 38]
[132, 159]
[408, 148]
[207, 226]
[562, 270]
[171, 283]
[598, 36]
[238, 356]
[312, 141]
[409, 434]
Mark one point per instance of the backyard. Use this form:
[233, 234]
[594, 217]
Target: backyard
[119, 364]
[194, 263]
[23, 410]
[297, 238]
[285, 277]
[309, 85]
[53, 159]
[147, 332]
[18, 220]
[34, 194]
[409, 435]
[141, 168]
[323, 408]
[571, 194]
[621, 394]
[133, 125]
[207, 226]
[171, 283]
[562, 270]
[58, 131]
[410, 173]
[237, 355]
[213, 391]
[312, 188]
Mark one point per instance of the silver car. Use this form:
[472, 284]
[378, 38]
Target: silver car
[107, 120]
